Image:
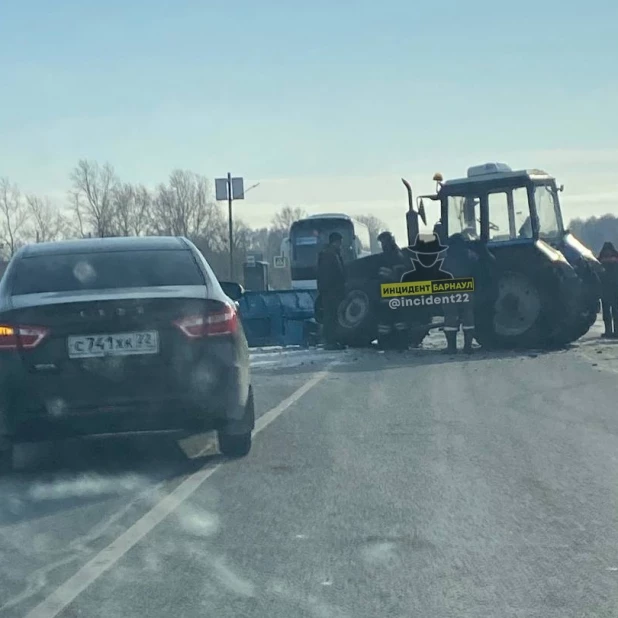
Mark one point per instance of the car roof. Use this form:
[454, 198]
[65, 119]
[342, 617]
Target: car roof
[95, 245]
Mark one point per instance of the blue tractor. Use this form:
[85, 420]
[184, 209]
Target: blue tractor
[544, 287]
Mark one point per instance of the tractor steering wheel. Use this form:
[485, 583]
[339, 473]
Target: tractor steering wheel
[492, 226]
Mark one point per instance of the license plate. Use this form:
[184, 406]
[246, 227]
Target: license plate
[113, 344]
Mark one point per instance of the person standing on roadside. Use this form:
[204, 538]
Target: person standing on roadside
[609, 282]
[389, 246]
[331, 287]
[461, 262]
[391, 325]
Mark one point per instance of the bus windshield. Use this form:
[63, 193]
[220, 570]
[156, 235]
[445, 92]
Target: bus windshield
[309, 237]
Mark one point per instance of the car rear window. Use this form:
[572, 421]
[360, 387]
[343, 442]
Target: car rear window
[105, 270]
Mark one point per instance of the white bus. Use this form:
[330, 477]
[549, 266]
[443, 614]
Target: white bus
[309, 236]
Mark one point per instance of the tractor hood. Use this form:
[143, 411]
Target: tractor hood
[575, 251]
[366, 267]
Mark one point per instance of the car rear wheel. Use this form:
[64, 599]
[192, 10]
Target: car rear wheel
[236, 441]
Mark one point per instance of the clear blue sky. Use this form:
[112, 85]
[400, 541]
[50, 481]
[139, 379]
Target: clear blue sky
[286, 89]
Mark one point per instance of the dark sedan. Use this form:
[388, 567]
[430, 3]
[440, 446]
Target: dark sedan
[118, 335]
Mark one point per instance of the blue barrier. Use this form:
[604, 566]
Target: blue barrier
[277, 317]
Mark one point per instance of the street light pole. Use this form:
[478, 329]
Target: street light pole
[230, 224]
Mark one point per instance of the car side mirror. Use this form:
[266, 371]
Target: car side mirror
[232, 290]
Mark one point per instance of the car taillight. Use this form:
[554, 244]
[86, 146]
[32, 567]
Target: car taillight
[221, 322]
[26, 337]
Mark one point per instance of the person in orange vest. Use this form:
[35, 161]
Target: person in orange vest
[609, 280]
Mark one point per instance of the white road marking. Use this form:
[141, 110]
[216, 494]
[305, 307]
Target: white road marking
[66, 593]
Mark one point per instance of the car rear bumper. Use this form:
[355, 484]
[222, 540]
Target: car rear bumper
[27, 416]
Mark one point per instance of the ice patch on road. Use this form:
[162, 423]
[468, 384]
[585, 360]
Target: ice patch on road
[311, 604]
[197, 523]
[86, 486]
[379, 553]
[232, 581]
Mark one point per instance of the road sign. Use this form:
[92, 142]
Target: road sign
[279, 261]
[227, 190]
[221, 189]
[238, 188]
[250, 261]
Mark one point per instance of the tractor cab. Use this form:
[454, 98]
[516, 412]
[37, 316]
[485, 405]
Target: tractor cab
[508, 208]
[500, 206]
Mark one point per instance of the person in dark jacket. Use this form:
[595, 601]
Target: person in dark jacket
[461, 262]
[391, 325]
[331, 286]
[609, 281]
[389, 245]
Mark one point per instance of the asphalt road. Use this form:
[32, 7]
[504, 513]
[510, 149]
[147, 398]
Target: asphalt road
[395, 485]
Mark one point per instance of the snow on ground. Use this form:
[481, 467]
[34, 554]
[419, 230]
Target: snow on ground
[273, 357]
[602, 353]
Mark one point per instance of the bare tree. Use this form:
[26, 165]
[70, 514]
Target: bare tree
[130, 209]
[595, 231]
[242, 237]
[76, 224]
[142, 204]
[375, 226]
[13, 217]
[286, 216]
[93, 187]
[47, 222]
[184, 207]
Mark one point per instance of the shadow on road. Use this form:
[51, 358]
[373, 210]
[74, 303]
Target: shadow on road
[75, 473]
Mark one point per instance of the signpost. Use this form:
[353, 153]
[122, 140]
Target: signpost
[231, 189]
[279, 261]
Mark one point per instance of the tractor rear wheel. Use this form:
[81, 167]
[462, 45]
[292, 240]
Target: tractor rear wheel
[357, 315]
[518, 315]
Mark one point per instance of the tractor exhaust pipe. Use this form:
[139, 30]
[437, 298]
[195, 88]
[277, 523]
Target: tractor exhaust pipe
[412, 216]
[408, 187]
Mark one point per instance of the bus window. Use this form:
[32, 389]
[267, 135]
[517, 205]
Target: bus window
[363, 244]
[308, 238]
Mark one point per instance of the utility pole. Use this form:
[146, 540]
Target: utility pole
[230, 189]
[230, 224]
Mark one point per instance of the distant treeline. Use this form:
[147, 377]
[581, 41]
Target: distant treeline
[100, 204]
[593, 232]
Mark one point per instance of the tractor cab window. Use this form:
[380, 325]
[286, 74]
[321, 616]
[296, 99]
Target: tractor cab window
[547, 211]
[499, 228]
[463, 215]
[509, 215]
[521, 213]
